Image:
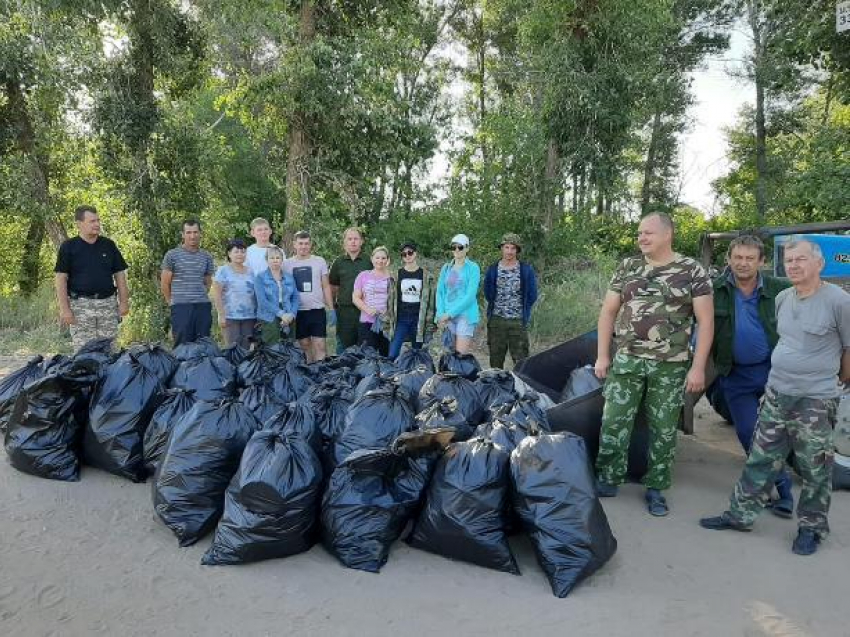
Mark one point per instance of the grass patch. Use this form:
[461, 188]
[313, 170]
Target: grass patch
[31, 326]
[570, 297]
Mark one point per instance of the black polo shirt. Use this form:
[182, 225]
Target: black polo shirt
[90, 266]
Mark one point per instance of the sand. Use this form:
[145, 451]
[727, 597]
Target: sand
[89, 558]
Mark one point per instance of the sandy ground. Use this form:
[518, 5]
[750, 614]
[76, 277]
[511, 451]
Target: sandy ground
[90, 558]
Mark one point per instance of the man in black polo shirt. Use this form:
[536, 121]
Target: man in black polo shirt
[89, 271]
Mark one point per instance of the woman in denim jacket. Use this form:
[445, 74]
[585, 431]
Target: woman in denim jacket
[277, 298]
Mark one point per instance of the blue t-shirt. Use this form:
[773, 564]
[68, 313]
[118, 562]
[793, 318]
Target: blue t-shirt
[237, 293]
[750, 345]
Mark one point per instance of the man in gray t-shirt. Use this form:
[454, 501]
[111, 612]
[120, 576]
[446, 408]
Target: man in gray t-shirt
[185, 279]
[808, 364]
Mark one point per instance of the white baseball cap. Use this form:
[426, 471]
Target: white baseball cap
[461, 239]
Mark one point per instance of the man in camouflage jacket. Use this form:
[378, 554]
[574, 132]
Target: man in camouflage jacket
[801, 399]
[653, 299]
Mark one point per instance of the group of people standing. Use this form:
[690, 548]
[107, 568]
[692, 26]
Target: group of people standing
[258, 293]
[779, 352]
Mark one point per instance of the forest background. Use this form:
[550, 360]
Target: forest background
[321, 114]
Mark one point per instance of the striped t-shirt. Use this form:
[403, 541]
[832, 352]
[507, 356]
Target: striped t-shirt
[189, 269]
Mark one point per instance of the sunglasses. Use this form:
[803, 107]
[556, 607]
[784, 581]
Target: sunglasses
[458, 248]
[408, 253]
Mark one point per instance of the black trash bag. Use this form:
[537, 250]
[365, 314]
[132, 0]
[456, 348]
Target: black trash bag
[374, 367]
[465, 365]
[297, 419]
[411, 359]
[156, 359]
[502, 431]
[466, 505]
[369, 500]
[201, 458]
[12, 385]
[260, 365]
[96, 346]
[234, 354]
[378, 381]
[120, 411]
[524, 410]
[445, 414]
[201, 348]
[841, 473]
[445, 384]
[496, 387]
[374, 421]
[289, 349]
[291, 382]
[175, 404]
[211, 377]
[582, 381]
[271, 506]
[331, 407]
[43, 432]
[413, 381]
[261, 399]
[554, 493]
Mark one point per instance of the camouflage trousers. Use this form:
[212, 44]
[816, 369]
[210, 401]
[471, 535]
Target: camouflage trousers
[789, 423]
[660, 386]
[95, 318]
[505, 335]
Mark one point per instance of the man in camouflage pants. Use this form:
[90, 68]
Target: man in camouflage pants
[653, 298]
[89, 271]
[800, 403]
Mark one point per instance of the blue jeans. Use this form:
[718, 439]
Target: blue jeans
[405, 329]
[190, 321]
[741, 391]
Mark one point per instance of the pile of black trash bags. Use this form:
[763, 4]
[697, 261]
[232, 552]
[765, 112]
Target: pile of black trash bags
[272, 455]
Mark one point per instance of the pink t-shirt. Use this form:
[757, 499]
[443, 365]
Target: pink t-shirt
[376, 291]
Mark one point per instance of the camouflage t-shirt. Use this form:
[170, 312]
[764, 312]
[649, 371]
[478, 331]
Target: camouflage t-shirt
[656, 316]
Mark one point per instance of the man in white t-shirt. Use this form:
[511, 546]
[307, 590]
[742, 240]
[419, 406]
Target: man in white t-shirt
[255, 257]
[314, 296]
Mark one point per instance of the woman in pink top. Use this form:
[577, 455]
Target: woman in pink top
[371, 291]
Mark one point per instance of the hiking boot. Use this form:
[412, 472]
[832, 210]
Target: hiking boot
[605, 490]
[806, 542]
[723, 522]
[655, 503]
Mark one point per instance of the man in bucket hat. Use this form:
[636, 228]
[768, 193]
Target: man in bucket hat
[510, 287]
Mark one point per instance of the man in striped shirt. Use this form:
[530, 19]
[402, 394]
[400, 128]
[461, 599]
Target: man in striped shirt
[186, 276]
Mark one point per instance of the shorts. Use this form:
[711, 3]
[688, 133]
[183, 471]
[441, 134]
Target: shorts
[311, 324]
[461, 327]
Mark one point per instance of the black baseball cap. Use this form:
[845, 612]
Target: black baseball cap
[408, 244]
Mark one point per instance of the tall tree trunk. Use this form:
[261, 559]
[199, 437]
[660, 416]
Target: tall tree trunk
[42, 218]
[142, 189]
[649, 167]
[299, 147]
[551, 185]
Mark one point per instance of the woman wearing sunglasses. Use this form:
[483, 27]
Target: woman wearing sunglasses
[410, 309]
[457, 295]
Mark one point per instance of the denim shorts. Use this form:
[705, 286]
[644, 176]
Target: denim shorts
[461, 327]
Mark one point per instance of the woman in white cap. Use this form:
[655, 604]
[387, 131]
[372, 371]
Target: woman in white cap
[457, 295]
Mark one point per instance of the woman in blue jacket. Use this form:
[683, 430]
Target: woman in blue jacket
[277, 298]
[457, 295]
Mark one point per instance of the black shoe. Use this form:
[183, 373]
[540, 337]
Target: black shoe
[806, 542]
[655, 503]
[723, 523]
[605, 490]
[782, 508]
